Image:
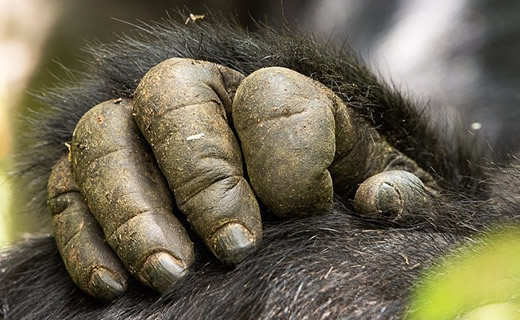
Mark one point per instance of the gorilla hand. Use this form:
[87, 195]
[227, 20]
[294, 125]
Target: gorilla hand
[299, 141]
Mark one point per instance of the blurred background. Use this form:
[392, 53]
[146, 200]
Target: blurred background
[461, 56]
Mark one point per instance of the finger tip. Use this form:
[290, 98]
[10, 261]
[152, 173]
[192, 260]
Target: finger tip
[105, 285]
[377, 197]
[233, 242]
[389, 200]
[161, 270]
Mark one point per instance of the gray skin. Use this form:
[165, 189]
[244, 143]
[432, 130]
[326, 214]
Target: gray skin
[92, 265]
[128, 195]
[300, 144]
[182, 108]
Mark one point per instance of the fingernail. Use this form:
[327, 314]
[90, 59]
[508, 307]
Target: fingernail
[389, 201]
[105, 285]
[233, 243]
[161, 270]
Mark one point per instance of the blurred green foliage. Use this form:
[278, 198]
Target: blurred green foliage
[480, 281]
[4, 204]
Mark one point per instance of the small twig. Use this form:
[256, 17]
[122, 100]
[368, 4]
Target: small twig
[194, 17]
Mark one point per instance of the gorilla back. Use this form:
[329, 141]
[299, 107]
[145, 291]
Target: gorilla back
[339, 265]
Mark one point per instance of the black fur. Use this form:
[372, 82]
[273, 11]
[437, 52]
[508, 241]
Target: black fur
[333, 266]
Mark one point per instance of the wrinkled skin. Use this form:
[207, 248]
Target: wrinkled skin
[184, 137]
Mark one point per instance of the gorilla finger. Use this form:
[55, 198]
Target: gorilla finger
[91, 263]
[393, 193]
[181, 106]
[285, 123]
[128, 196]
[296, 134]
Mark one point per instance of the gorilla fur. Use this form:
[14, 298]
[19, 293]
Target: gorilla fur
[338, 265]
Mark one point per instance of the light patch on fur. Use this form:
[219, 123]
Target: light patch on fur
[195, 137]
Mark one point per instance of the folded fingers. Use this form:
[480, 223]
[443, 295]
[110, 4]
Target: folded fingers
[182, 108]
[128, 196]
[91, 263]
[300, 141]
